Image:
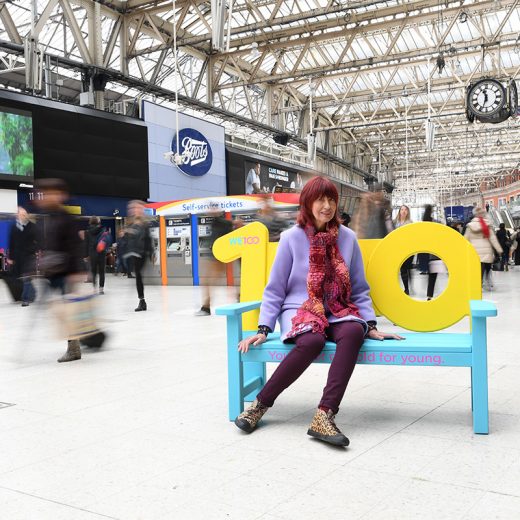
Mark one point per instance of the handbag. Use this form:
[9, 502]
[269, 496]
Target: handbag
[76, 316]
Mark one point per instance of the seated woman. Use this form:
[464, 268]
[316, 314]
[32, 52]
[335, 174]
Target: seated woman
[317, 290]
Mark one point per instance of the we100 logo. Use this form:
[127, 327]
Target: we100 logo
[241, 241]
[195, 150]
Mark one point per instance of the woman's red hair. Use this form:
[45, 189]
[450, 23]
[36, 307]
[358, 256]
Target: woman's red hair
[316, 188]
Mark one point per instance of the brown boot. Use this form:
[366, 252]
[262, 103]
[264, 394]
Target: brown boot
[324, 428]
[73, 352]
[249, 418]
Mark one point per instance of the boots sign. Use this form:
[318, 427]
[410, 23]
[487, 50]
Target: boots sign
[195, 152]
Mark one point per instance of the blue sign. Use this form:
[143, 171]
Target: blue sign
[195, 152]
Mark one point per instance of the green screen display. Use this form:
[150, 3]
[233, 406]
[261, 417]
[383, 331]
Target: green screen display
[16, 144]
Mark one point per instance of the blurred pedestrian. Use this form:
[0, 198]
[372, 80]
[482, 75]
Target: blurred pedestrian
[62, 260]
[97, 242]
[271, 219]
[23, 246]
[220, 226]
[373, 219]
[403, 219]
[504, 239]
[482, 236]
[139, 247]
[345, 218]
[121, 250]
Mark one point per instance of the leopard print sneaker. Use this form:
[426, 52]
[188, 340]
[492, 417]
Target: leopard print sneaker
[324, 428]
[249, 418]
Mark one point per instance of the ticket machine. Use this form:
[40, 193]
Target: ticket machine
[179, 251]
[152, 269]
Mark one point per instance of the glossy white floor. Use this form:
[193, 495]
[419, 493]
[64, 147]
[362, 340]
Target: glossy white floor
[139, 430]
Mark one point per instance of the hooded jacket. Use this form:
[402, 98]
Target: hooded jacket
[485, 247]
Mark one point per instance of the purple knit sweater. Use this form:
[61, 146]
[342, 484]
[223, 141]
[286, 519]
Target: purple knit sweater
[287, 286]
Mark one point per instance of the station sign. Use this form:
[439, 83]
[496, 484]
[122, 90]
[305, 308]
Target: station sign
[195, 151]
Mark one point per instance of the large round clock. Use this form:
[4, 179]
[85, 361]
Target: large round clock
[513, 98]
[486, 97]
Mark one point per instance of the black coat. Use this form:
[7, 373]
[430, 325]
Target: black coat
[139, 240]
[92, 237]
[61, 245]
[23, 245]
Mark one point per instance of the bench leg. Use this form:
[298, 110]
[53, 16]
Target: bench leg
[479, 378]
[235, 368]
[252, 370]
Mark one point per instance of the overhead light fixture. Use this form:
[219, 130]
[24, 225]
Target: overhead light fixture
[255, 53]
[458, 68]
[463, 17]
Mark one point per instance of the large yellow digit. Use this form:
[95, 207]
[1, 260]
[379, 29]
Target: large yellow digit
[250, 245]
[452, 305]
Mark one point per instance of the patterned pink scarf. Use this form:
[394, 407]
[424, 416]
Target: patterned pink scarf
[328, 281]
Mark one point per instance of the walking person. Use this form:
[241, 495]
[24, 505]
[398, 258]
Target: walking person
[220, 226]
[62, 260]
[97, 241]
[317, 290]
[139, 247]
[504, 239]
[403, 219]
[23, 246]
[481, 235]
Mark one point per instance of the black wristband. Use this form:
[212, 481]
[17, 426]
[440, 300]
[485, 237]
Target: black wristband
[372, 325]
[264, 329]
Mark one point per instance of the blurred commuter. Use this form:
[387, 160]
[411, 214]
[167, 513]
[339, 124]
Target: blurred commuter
[139, 247]
[23, 246]
[504, 239]
[220, 226]
[271, 219]
[97, 242]
[403, 219]
[482, 236]
[62, 262]
[317, 290]
[121, 249]
[515, 248]
[373, 219]
[345, 219]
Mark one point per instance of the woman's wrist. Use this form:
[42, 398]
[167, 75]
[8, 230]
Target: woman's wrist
[264, 329]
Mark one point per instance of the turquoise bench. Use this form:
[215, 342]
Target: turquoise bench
[425, 345]
[247, 372]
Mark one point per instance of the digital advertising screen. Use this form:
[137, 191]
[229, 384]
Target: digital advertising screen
[16, 145]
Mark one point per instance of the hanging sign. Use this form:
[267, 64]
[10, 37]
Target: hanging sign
[195, 151]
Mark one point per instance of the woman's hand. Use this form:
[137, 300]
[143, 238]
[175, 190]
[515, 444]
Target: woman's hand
[377, 334]
[255, 340]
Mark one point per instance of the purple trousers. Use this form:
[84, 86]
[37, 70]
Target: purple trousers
[348, 336]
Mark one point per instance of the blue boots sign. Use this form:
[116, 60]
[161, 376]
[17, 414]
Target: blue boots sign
[195, 152]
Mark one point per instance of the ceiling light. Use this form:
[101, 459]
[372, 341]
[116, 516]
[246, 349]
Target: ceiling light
[255, 53]
[463, 17]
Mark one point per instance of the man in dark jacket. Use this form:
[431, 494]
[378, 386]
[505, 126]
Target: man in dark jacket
[23, 245]
[62, 259]
[96, 245]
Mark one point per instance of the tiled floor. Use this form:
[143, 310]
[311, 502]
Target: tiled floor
[139, 430]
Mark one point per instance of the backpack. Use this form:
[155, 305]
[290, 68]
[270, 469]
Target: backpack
[104, 241]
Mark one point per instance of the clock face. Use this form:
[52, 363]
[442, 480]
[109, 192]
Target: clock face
[486, 97]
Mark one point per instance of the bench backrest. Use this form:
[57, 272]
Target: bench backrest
[382, 260]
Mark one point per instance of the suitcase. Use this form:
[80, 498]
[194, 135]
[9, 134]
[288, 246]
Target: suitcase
[15, 286]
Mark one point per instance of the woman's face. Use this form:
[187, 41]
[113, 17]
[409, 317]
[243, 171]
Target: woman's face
[323, 211]
[403, 212]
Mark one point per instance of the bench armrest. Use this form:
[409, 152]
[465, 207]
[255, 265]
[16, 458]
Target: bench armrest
[482, 309]
[236, 309]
